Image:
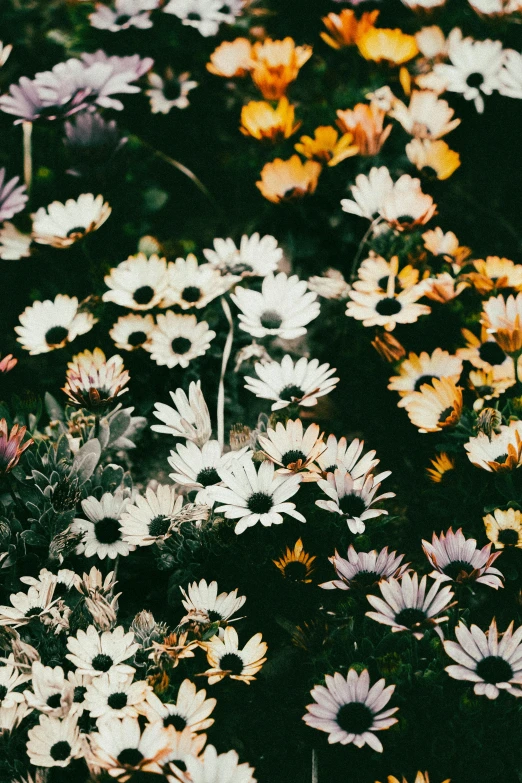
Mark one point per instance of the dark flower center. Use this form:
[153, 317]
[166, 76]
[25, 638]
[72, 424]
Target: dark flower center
[34, 611]
[494, 669]
[56, 335]
[456, 567]
[271, 319]
[107, 530]
[501, 458]
[291, 392]
[180, 345]
[423, 379]
[122, 19]
[446, 413]
[231, 662]
[405, 219]
[3, 692]
[475, 79]
[296, 571]
[194, 17]
[214, 616]
[60, 751]
[172, 91]
[75, 231]
[101, 662]
[180, 764]
[508, 537]
[159, 526]
[143, 294]
[117, 701]
[177, 721]
[208, 476]
[136, 338]
[54, 701]
[410, 617]
[364, 579]
[355, 718]
[260, 503]
[491, 353]
[130, 756]
[429, 171]
[191, 293]
[290, 457]
[79, 694]
[352, 505]
[388, 306]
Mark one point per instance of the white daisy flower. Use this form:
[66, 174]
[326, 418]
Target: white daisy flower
[380, 309]
[12, 716]
[48, 325]
[363, 570]
[54, 742]
[203, 601]
[256, 496]
[121, 747]
[457, 558]
[64, 579]
[406, 205]
[223, 768]
[256, 255]
[405, 606]
[511, 75]
[282, 308]
[11, 678]
[423, 368]
[14, 245]
[431, 42]
[132, 331]
[51, 691]
[369, 193]
[496, 7]
[286, 382]
[331, 285]
[204, 15]
[102, 528]
[191, 285]
[338, 455]
[169, 93]
[491, 663]
[139, 283]
[350, 711]
[78, 683]
[125, 14]
[148, 519]
[428, 4]
[426, 117]
[227, 660]
[352, 499]
[36, 604]
[475, 67]
[95, 654]
[500, 451]
[116, 696]
[198, 467]
[295, 450]
[191, 710]
[60, 225]
[188, 419]
[177, 339]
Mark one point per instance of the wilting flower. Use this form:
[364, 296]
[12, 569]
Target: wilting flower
[350, 711]
[443, 287]
[231, 58]
[388, 347]
[139, 283]
[288, 383]
[205, 606]
[257, 255]
[286, 180]
[417, 370]
[173, 648]
[11, 447]
[177, 339]
[189, 419]
[125, 14]
[94, 382]
[252, 496]
[170, 92]
[227, 660]
[365, 123]
[457, 558]
[407, 607]
[296, 564]
[345, 29]
[499, 451]
[392, 46]
[13, 197]
[433, 158]
[504, 528]
[491, 663]
[282, 308]
[294, 450]
[352, 499]
[260, 120]
[275, 64]
[326, 146]
[436, 406]
[54, 742]
[363, 570]
[330, 285]
[426, 117]
[443, 464]
[48, 325]
[61, 225]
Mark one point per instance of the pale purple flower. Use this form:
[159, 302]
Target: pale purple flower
[13, 197]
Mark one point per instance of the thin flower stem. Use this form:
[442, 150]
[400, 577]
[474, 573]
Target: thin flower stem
[226, 356]
[27, 128]
[362, 245]
[315, 766]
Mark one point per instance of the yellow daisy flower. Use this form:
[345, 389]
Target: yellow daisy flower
[392, 46]
[365, 123]
[326, 146]
[436, 406]
[504, 528]
[345, 29]
[275, 64]
[285, 180]
[442, 465]
[260, 120]
[433, 158]
[296, 564]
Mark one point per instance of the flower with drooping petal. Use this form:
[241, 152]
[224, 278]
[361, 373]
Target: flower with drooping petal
[11, 445]
[457, 558]
[363, 570]
[188, 419]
